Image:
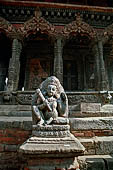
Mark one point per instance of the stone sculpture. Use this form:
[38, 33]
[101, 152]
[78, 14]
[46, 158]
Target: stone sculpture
[50, 103]
[51, 138]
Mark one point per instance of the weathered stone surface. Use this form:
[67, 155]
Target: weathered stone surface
[51, 131]
[109, 162]
[24, 123]
[104, 145]
[107, 107]
[68, 146]
[89, 145]
[15, 110]
[52, 164]
[84, 107]
[98, 145]
[11, 148]
[102, 123]
[95, 162]
[79, 114]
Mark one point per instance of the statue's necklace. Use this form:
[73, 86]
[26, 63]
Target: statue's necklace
[51, 99]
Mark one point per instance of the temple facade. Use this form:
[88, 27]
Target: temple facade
[69, 39]
[72, 42]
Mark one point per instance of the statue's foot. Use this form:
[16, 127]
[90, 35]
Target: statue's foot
[49, 121]
[61, 121]
[41, 122]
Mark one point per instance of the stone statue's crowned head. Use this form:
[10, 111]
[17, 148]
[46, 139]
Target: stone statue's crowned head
[52, 81]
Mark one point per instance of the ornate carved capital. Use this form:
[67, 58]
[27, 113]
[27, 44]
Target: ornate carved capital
[79, 26]
[36, 24]
[108, 33]
[7, 27]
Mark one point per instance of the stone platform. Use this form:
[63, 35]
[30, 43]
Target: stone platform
[48, 143]
[52, 141]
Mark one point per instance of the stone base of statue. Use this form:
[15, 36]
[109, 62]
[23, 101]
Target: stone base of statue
[50, 147]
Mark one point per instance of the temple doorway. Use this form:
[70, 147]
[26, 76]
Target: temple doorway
[36, 61]
[78, 64]
[70, 75]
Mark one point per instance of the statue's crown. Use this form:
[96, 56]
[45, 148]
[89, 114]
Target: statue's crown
[52, 81]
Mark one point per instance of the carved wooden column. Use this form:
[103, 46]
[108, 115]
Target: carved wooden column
[103, 83]
[58, 61]
[14, 66]
[97, 67]
[84, 75]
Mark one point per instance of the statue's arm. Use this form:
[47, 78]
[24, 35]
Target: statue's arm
[36, 101]
[63, 105]
[41, 105]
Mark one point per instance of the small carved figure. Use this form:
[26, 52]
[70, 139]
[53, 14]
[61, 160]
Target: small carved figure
[108, 98]
[50, 103]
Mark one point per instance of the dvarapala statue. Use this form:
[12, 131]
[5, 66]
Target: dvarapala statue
[50, 103]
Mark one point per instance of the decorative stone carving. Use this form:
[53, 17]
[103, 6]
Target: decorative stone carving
[7, 27]
[36, 24]
[50, 131]
[107, 33]
[76, 99]
[78, 26]
[50, 104]
[51, 137]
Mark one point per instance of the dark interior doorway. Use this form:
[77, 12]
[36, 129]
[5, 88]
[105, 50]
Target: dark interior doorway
[70, 75]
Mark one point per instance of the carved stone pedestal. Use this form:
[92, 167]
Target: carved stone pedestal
[51, 147]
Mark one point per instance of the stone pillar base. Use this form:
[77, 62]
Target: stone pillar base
[51, 147]
[51, 164]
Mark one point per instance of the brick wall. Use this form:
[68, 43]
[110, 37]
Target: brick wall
[13, 132]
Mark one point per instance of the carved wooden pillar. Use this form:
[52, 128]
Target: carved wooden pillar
[84, 67]
[97, 67]
[103, 83]
[58, 61]
[14, 66]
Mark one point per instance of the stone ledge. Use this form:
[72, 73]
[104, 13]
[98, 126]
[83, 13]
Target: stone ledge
[103, 123]
[77, 124]
[74, 111]
[24, 123]
[93, 162]
[52, 147]
[98, 145]
[79, 114]
[15, 113]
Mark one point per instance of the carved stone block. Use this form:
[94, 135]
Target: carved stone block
[90, 107]
[52, 141]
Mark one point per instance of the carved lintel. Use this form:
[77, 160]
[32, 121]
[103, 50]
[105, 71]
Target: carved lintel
[79, 26]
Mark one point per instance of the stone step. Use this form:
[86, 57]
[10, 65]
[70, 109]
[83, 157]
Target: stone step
[24, 123]
[79, 114]
[91, 123]
[15, 110]
[74, 112]
[27, 112]
[96, 162]
[98, 145]
[15, 107]
[16, 113]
